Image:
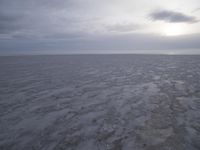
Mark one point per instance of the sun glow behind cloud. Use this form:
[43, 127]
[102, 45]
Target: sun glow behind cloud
[174, 29]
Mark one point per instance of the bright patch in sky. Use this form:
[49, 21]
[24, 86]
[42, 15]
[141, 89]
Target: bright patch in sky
[174, 29]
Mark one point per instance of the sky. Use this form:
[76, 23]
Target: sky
[99, 26]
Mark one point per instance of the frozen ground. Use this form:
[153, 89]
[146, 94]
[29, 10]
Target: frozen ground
[100, 102]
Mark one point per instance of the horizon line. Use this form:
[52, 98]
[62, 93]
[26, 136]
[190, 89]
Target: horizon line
[63, 54]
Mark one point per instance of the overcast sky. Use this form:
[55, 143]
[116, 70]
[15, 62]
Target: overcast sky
[99, 26]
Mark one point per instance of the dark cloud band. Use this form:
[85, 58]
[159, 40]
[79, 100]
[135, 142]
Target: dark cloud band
[172, 16]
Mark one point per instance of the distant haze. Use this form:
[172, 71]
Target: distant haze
[93, 26]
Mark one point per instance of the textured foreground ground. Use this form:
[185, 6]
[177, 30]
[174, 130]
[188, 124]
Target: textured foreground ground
[100, 102]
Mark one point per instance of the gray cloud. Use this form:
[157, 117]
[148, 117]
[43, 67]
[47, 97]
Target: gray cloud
[36, 16]
[123, 27]
[9, 23]
[172, 16]
[46, 19]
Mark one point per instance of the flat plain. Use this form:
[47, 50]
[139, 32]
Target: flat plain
[100, 102]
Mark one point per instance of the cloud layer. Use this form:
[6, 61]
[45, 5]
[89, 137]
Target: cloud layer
[67, 25]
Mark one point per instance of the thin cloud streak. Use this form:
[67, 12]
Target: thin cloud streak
[123, 27]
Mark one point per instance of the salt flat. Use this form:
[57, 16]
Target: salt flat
[100, 102]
